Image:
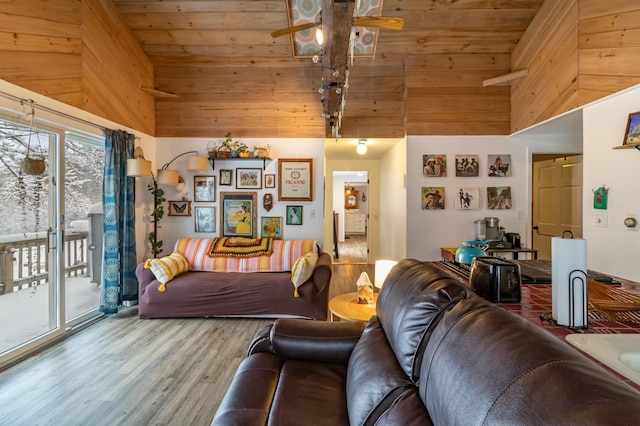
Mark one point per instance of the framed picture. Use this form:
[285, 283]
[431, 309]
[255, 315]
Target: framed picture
[467, 165]
[432, 198]
[179, 208]
[271, 227]
[350, 199]
[499, 165]
[205, 219]
[270, 181]
[295, 179]
[204, 188]
[248, 178]
[468, 198]
[226, 177]
[499, 198]
[632, 133]
[434, 165]
[239, 214]
[294, 215]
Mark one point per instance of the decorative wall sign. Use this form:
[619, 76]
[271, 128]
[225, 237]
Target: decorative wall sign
[499, 165]
[432, 198]
[271, 227]
[205, 219]
[467, 165]
[179, 208]
[499, 198]
[204, 188]
[295, 179]
[294, 215]
[434, 165]
[600, 198]
[267, 202]
[468, 198]
[239, 216]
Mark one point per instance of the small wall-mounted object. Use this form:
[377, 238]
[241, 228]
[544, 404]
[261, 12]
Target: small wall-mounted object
[631, 222]
[600, 198]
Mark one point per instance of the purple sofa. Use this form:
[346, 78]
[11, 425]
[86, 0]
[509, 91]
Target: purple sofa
[235, 294]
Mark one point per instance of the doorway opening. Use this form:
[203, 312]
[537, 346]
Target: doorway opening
[351, 216]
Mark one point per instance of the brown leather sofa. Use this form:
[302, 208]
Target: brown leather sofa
[434, 354]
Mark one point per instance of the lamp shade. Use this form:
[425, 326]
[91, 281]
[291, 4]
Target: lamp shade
[383, 267]
[168, 177]
[138, 167]
[197, 163]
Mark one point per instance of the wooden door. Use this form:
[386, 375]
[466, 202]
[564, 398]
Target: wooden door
[557, 201]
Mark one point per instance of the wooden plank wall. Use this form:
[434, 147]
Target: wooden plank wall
[445, 94]
[79, 52]
[576, 51]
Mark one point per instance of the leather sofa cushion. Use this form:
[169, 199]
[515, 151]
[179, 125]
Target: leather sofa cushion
[314, 340]
[372, 375]
[408, 311]
[248, 399]
[310, 393]
[407, 410]
[521, 375]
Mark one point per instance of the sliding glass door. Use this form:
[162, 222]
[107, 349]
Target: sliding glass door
[50, 233]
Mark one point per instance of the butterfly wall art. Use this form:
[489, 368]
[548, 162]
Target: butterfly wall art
[179, 208]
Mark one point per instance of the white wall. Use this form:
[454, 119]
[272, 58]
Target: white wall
[613, 249]
[429, 230]
[174, 227]
[393, 195]
[337, 190]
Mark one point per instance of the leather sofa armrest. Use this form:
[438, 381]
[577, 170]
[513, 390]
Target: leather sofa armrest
[261, 342]
[317, 341]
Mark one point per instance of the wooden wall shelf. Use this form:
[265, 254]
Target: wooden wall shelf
[635, 145]
[212, 160]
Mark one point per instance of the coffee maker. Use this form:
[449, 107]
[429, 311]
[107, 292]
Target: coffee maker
[494, 231]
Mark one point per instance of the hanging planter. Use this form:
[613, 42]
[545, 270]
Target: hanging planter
[33, 166]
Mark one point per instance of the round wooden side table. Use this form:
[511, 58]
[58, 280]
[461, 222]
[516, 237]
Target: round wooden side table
[346, 307]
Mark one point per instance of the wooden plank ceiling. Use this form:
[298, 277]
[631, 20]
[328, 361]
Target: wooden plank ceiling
[230, 75]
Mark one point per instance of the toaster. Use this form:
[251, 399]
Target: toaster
[497, 280]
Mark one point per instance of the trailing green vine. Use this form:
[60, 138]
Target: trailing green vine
[156, 215]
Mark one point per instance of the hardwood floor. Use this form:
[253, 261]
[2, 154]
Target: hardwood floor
[353, 250]
[127, 371]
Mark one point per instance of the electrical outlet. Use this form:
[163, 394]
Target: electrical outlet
[602, 220]
[312, 214]
[520, 214]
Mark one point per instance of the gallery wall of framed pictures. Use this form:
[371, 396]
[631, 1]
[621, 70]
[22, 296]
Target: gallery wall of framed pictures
[435, 196]
[234, 210]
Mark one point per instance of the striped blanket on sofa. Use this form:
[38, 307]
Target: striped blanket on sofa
[283, 256]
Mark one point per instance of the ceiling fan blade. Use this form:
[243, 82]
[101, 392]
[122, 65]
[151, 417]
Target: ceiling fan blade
[291, 30]
[389, 23]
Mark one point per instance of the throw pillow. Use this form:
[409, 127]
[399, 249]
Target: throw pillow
[166, 268]
[302, 270]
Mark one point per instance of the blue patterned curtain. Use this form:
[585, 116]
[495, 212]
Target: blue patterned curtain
[118, 196]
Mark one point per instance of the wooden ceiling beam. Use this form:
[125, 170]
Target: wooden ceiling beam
[337, 21]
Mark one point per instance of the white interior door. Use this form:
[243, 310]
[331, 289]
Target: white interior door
[557, 201]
